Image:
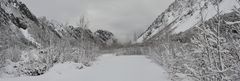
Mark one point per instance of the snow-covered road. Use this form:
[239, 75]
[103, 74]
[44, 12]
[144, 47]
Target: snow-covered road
[107, 68]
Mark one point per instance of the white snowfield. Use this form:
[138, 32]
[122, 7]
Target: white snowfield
[107, 68]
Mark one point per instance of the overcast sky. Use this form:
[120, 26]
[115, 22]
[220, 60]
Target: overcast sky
[122, 17]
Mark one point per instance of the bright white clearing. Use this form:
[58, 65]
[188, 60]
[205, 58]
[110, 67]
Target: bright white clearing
[107, 68]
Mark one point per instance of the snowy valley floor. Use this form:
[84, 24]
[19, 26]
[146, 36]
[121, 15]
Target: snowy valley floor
[106, 68]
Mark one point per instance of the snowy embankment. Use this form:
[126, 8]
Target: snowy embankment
[107, 68]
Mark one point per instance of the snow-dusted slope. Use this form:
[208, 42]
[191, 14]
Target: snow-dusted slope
[21, 28]
[105, 37]
[22, 32]
[108, 68]
[184, 14]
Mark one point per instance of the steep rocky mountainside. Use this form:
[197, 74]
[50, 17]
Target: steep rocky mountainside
[21, 29]
[16, 21]
[106, 37]
[31, 45]
[184, 14]
[197, 40]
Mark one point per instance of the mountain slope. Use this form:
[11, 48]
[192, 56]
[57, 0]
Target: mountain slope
[105, 37]
[184, 14]
[15, 19]
[32, 45]
[201, 44]
[20, 28]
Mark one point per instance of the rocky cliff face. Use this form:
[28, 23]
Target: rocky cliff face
[36, 44]
[185, 14]
[105, 37]
[21, 29]
[16, 25]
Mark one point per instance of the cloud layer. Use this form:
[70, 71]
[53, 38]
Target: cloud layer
[122, 17]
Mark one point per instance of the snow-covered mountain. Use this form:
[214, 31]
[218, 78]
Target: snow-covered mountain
[198, 38]
[31, 45]
[20, 28]
[185, 14]
[106, 37]
[16, 24]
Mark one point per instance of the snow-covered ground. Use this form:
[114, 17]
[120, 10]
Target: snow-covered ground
[107, 68]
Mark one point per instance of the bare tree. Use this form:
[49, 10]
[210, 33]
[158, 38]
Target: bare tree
[83, 22]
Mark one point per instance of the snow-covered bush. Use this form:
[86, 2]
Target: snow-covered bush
[11, 53]
[28, 64]
[212, 54]
[37, 61]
